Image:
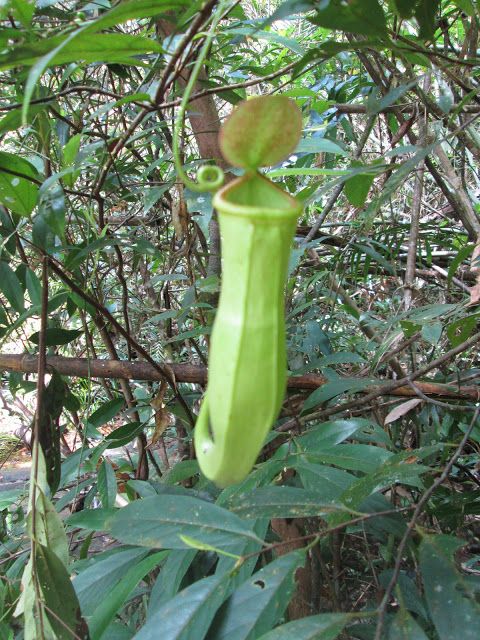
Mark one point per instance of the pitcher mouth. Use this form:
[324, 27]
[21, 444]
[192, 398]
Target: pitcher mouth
[254, 196]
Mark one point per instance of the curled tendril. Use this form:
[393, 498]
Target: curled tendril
[210, 177]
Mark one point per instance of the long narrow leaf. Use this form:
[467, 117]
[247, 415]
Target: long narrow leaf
[259, 602]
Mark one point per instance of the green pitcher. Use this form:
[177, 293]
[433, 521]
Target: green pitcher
[247, 361]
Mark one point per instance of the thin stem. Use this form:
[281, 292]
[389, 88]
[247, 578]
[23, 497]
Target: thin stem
[210, 178]
[36, 440]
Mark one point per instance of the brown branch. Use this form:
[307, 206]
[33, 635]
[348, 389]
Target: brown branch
[388, 388]
[197, 374]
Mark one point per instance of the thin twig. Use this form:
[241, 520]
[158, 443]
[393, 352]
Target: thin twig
[409, 283]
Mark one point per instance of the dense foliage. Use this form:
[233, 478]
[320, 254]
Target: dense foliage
[360, 518]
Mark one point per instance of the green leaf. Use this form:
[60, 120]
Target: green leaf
[181, 471]
[188, 615]
[203, 546]
[258, 603]
[425, 13]
[40, 65]
[112, 601]
[70, 152]
[82, 304]
[357, 188]
[200, 331]
[245, 548]
[158, 522]
[376, 106]
[50, 530]
[331, 389]
[461, 330]
[365, 17]
[54, 303]
[354, 457]
[287, 8]
[326, 626]
[134, 9]
[49, 428]
[406, 591]
[309, 171]
[316, 144]
[61, 604]
[331, 482]
[270, 36]
[342, 357]
[118, 631]
[27, 605]
[450, 594]
[10, 287]
[432, 332]
[261, 132]
[88, 47]
[169, 579]
[150, 198]
[327, 434]
[17, 192]
[107, 484]
[168, 277]
[392, 525]
[430, 311]
[9, 497]
[55, 336]
[405, 8]
[52, 207]
[80, 252]
[404, 627]
[23, 10]
[34, 287]
[397, 178]
[42, 234]
[13, 120]
[384, 476]
[462, 255]
[124, 434]
[102, 573]
[94, 519]
[283, 502]
[466, 6]
[106, 412]
[375, 255]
